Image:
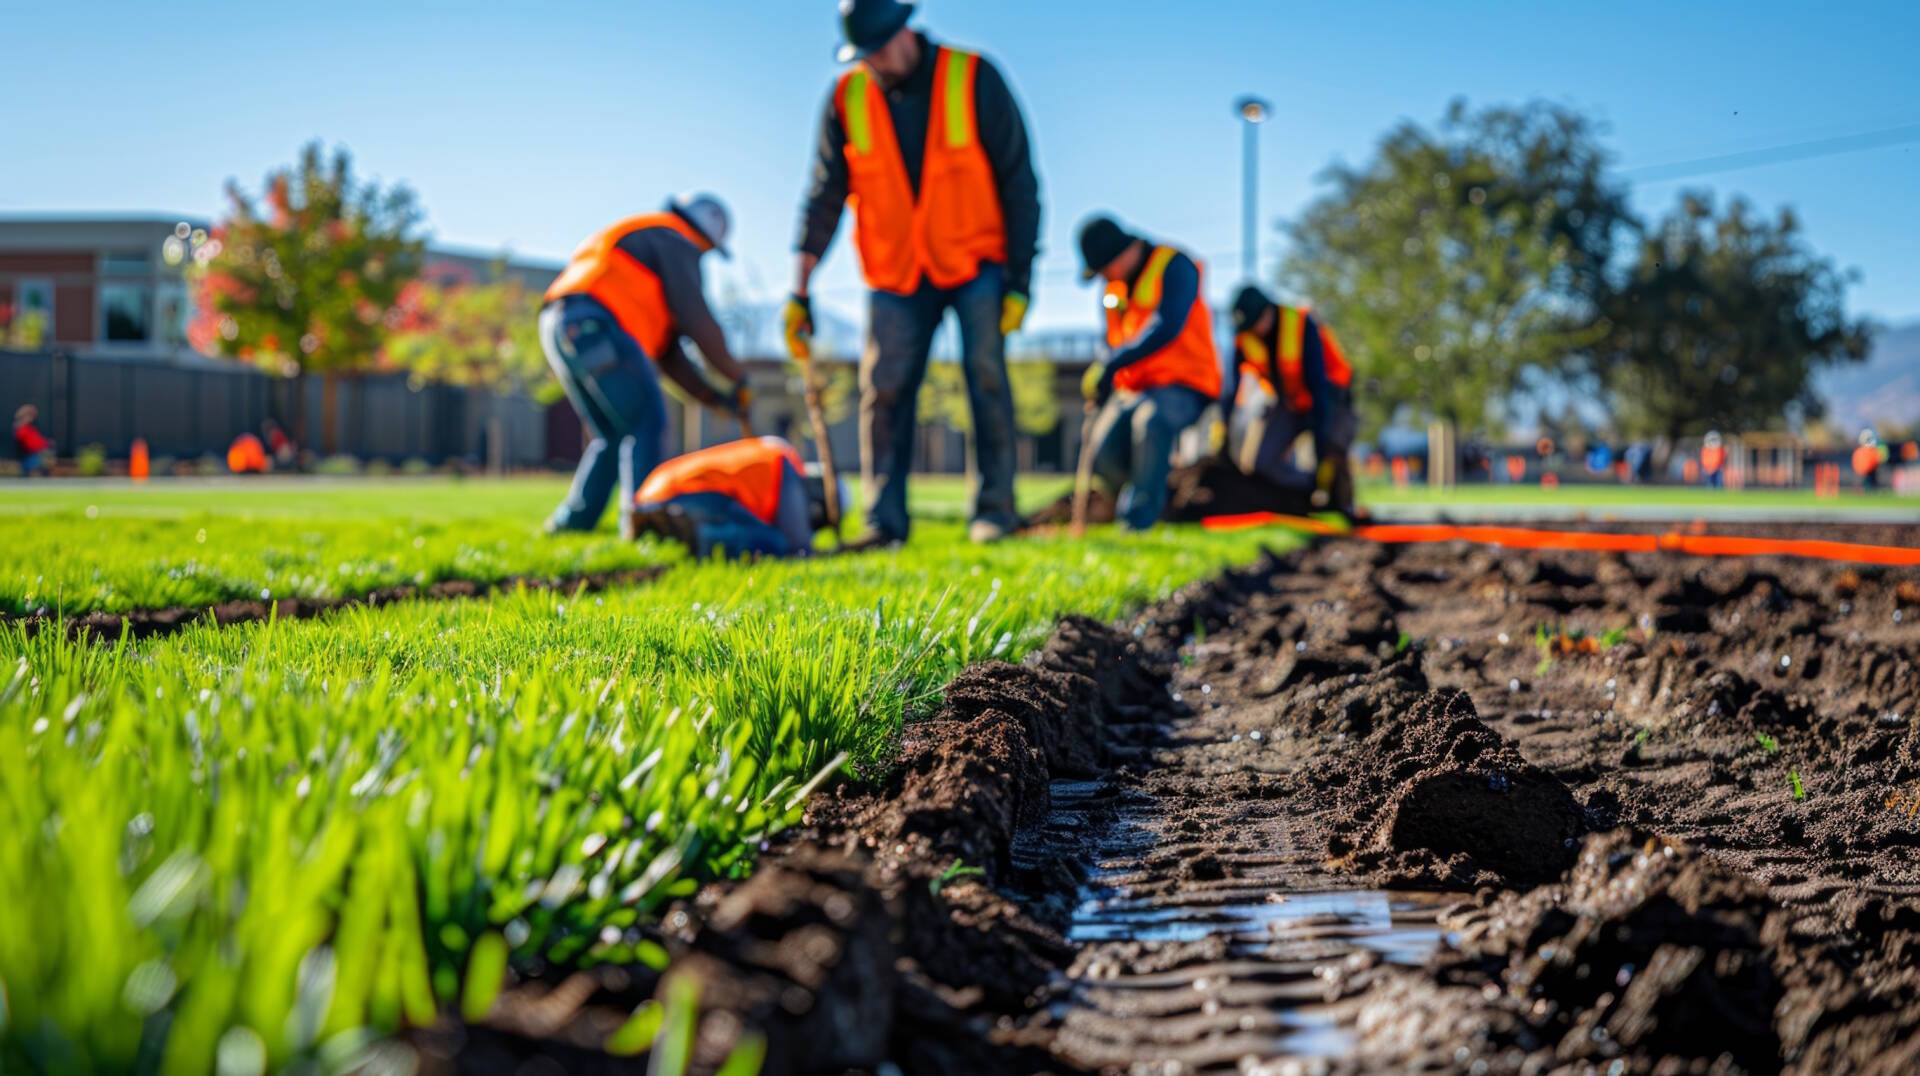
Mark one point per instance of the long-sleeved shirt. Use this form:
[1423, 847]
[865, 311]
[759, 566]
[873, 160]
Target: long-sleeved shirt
[1313, 372]
[1179, 287]
[1003, 135]
[676, 261]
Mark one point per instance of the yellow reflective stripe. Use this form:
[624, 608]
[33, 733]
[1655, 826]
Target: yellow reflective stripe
[1292, 335]
[957, 65]
[859, 125]
[1147, 291]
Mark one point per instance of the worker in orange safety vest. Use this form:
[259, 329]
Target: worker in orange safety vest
[1298, 364]
[751, 497]
[927, 146]
[1713, 461]
[1867, 458]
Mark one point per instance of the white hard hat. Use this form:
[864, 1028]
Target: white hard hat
[1713, 437]
[709, 217]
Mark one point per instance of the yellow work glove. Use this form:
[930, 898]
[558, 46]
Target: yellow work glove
[1013, 313]
[796, 320]
[1323, 484]
[1095, 385]
[1217, 437]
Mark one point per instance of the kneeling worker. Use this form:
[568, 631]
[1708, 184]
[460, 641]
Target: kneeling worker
[1163, 371]
[612, 323]
[1297, 361]
[742, 498]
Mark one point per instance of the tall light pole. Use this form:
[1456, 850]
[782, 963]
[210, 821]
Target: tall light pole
[1252, 112]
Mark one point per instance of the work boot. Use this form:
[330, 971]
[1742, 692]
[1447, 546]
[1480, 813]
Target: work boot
[986, 531]
[668, 521]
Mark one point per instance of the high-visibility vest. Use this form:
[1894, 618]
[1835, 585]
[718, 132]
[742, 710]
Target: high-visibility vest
[1290, 364]
[749, 471]
[1192, 359]
[1866, 460]
[955, 223]
[1712, 458]
[246, 455]
[628, 289]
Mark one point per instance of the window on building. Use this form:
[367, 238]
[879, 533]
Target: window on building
[31, 323]
[126, 263]
[175, 313]
[127, 312]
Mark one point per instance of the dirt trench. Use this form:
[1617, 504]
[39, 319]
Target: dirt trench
[1360, 808]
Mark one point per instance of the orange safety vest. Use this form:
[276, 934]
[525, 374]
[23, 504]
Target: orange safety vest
[1712, 458]
[246, 455]
[749, 471]
[1191, 360]
[1866, 460]
[1292, 390]
[629, 290]
[955, 224]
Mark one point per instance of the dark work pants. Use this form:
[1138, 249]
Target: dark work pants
[612, 383]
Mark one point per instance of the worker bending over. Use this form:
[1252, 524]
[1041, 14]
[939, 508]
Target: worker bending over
[1163, 369]
[743, 498]
[928, 146]
[612, 322]
[1298, 363]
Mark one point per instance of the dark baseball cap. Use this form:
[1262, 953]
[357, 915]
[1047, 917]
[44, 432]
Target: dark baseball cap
[1101, 240]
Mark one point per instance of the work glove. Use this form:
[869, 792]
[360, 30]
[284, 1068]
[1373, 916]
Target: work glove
[1323, 484]
[737, 399]
[1097, 384]
[796, 320]
[1013, 313]
[1251, 349]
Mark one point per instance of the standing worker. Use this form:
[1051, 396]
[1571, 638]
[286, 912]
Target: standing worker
[1713, 461]
[36, 452]
[1163, 370]
[1867, 459]
[616, 313]
[928, 146]
[1297, 361]
[751, 497]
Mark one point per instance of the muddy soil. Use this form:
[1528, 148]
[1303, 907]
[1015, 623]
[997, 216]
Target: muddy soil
[1360, 808]
[153, 623]
[1212, 487]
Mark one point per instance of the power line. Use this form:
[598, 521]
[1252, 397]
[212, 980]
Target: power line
[1794, 151]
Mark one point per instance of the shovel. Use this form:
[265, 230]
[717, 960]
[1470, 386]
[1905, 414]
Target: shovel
[823, 444]
[1083, 474]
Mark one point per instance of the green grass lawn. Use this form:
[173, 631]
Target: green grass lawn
[277, 840]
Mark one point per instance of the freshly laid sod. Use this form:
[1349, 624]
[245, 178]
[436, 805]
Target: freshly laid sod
[268, 844]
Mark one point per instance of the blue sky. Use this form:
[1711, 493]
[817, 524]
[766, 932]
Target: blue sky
[529, 126]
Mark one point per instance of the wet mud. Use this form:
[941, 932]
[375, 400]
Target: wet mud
[1358, 809]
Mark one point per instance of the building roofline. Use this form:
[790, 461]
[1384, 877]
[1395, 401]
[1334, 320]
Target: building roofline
[83, 216]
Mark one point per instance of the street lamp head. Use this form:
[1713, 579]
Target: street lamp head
[1253, 109]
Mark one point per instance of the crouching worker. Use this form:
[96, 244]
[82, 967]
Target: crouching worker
[744, 498]
[612, 323]
[1298, 363]
[1162, 373]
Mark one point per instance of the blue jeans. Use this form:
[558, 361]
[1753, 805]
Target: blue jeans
[612, 383]
[37, 462]
[1135, 434]
[1274, 458]
[900, 335]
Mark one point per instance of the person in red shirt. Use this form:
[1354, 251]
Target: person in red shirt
[35, 451]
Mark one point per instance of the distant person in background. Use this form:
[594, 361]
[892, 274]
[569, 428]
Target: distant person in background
[248, 456]
[1163, 369]
[279, 445]
[1297, 361]
[751, 497]
[1639, 461]
[33, 448]
[1713, 461]
[612, 323]
[1867, 458]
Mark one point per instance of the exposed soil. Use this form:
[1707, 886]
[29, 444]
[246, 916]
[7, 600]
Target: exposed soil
[1361, 808]
[1212, 487]
[152, 623]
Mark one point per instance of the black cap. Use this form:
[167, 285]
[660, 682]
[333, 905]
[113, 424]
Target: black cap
[1101, 241]
[1248, 304]
[869, 25]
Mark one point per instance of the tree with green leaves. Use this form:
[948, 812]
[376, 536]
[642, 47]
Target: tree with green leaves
[1462, 265]
[1722, 324]
[304, 278]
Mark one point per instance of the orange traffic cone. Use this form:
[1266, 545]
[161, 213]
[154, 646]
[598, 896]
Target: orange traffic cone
[138, 465]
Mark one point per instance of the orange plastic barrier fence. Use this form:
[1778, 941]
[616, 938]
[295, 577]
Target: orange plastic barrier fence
[1703, 545]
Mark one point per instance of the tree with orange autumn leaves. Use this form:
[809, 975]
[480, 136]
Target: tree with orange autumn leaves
[309, 278]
